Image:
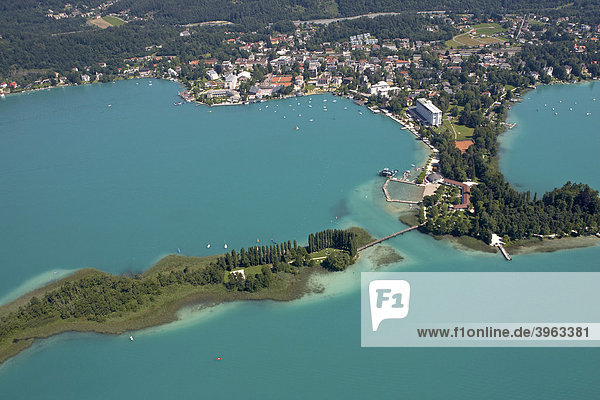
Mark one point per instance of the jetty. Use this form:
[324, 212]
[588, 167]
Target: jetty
[389, 237]
[504, 252]
[497, 241]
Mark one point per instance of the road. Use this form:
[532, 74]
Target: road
[330, 20]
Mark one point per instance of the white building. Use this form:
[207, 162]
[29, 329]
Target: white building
[244, 75]
[430, 113]
[212, 74]
[382, 88]
[239, 272]
[231, 81]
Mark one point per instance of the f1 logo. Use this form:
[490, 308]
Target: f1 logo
[389, 299]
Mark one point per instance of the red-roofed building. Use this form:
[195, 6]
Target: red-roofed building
[277, 39]
[465, 193]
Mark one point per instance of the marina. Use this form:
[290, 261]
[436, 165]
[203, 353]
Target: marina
[386, 172]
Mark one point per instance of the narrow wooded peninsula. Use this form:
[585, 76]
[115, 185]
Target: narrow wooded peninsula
[95, 301]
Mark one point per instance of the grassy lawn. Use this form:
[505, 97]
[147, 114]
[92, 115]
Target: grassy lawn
[324, 253]
[474, 40]
[100, 23]
[462, 132]
[114, 21]
[491, 40]
[445, 126]
[488, 28]
[253, 270]
[462, 40]
[452, 44]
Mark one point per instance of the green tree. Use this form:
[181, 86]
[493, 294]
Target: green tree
[337, 261]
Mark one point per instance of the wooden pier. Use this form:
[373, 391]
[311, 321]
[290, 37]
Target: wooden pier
[389, 237]
[504, 252]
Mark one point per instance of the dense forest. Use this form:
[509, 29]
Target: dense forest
[99, 297]
[31, 14]
[36, 46]
[409, 25]
[28, 51]
[261, 11]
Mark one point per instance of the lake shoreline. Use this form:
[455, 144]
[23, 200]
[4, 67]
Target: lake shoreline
[168, 312]
[532, 245]
[546, 245]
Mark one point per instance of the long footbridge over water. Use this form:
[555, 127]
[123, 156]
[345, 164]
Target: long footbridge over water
[389, 237]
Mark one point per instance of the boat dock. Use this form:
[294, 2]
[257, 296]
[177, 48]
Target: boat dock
[499, 243]
[388, 237]
[504, 252]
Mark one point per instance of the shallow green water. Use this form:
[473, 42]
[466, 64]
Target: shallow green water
[116, 188]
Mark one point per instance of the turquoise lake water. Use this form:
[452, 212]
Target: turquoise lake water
[556, 139]
[84, 184]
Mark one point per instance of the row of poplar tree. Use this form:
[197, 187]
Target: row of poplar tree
[333, 238]
[286, 251]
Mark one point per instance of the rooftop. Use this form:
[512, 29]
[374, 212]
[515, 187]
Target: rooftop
[429, 105]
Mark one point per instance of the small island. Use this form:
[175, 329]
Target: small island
[94, 301]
